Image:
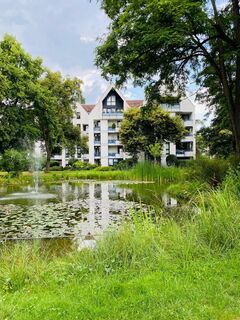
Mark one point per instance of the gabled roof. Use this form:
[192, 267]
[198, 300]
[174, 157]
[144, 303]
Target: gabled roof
[135, 103]
[88, 107]
[111, 87]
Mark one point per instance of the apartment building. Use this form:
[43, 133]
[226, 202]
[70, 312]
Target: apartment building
[101, 123]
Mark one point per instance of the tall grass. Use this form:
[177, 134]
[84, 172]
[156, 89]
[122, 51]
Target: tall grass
[152, 268]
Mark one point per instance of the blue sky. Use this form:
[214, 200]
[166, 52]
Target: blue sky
[64, 33]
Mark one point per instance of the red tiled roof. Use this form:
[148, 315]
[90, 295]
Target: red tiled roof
[88, 107]
[135, 103]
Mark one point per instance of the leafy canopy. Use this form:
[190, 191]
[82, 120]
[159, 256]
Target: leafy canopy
[147, 128]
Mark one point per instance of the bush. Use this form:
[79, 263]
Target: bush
[15, 161]
[105, 168]
[172, 160]
[71, 162]
[56, 168]
[209, 170]
[54, 163]
[125, 164]
[80, 165]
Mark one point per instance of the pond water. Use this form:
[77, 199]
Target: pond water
[78, 210]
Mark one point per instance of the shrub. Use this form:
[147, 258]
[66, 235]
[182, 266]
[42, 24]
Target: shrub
[15, 161]
[172, 160]
[105, 169]
[54, 163]
[209, 170]
[80, 165]
[71, 162]
[125, 164]
[56, 168]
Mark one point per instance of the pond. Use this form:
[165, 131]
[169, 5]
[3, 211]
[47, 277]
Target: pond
[77, 210]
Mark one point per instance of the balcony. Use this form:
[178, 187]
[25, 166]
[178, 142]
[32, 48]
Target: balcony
[97, 154]
[188, 123]
[113, 115]
[97, 129]
[110, 129]
[115, 155]
[184, 153]
[171, 107]
[114, 142]
[56, 157]
[97, 142]
[85, 156]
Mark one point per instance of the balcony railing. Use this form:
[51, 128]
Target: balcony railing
[112, 141]
[112, 114]
[110, 129]
[97, 154]
[115, 155]
[182, 152]
[97, 128]
[97, 141]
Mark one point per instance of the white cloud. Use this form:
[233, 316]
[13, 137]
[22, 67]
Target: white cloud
[87, 39]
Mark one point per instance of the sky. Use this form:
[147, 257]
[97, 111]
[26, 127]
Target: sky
[64, 34]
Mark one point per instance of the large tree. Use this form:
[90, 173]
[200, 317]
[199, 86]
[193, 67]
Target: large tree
[19, 74]
[164, 42]
[146, 129]
[54, 106]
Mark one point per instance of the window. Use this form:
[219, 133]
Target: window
[78, 114]
[79, 152]
[167, 148]
[85, 127]
[111, 100]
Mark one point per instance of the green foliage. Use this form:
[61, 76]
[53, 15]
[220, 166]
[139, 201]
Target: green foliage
[102, 168]
[80, 165]
[125, 164]
[215, 141]
[212, 171]
[53, 108]
[155, 150]
[54, 163]
[19, 74]
[15, 161]
[56, 168]
[162, 43]
[172, 160]
[149, 127]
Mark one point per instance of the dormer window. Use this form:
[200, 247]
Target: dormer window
[111, 100]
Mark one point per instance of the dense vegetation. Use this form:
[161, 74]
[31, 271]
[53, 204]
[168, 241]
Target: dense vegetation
[164, 44]
[164, 270]
[35, 103]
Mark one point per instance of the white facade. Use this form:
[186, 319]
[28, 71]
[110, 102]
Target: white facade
[101, 123]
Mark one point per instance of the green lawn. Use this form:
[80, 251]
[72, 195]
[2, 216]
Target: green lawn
[195, 289]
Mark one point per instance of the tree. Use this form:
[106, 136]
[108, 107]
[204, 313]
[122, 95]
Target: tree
[19, 74]
[147, 128]
[53, 108]
[155, 150]
[166, 41]
[15, 161]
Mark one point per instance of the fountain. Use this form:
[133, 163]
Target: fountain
[36, 165]
[32, 193]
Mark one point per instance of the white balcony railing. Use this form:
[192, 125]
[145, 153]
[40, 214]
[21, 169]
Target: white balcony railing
[116, 115]
[115, 155]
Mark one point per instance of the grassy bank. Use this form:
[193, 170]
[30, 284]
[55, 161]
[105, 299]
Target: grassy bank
[164, 270]
[142, 172]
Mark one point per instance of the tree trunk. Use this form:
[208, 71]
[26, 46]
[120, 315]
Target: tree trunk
[236, 120]
[49, 153]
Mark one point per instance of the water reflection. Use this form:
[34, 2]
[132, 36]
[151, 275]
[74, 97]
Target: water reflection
[78, 210]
